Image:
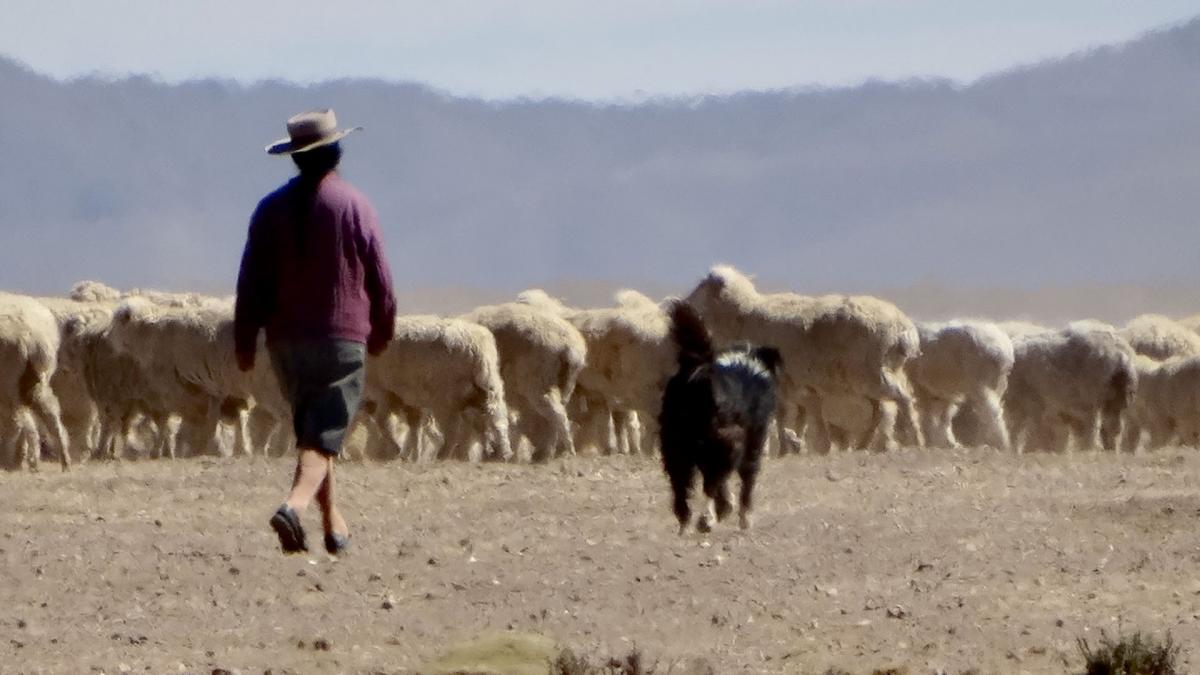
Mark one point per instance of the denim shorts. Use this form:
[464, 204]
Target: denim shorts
[323, 380]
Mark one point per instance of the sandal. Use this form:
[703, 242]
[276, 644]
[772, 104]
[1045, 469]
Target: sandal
[335, 543]
[291, 534]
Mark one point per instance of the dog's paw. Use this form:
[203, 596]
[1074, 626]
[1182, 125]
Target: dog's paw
[745, 521]
[703, 525]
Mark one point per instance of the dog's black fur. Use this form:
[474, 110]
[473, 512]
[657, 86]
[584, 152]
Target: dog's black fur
[715, 415]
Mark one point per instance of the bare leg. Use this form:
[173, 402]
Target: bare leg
[312, 467]
[331, 518]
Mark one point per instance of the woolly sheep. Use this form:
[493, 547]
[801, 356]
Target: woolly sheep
[93, 292]
[448, 369]
[29, 344]
[541, 355]
[961, 363]
[1167, 404]
[189, 353]
[630, 358]
[79, 413]
[832, 345]
[1160, 337]
[1069, 377]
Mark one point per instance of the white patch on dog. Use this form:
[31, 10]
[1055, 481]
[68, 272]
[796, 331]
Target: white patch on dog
[744, 361]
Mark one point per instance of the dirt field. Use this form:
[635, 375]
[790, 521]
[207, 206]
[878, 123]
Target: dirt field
[937, 560]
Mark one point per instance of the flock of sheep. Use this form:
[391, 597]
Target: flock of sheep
[106, 374]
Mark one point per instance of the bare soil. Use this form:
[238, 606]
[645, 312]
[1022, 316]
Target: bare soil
[931, 560]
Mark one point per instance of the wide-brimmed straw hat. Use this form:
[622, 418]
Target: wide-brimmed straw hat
[310, 130]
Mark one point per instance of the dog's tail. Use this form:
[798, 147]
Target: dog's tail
[690, 335]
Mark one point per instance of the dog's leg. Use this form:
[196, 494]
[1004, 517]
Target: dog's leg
[748, 473]
[724, 500]
[680, 475]
[714, 510]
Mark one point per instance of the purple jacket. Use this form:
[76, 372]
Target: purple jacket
[320, 277]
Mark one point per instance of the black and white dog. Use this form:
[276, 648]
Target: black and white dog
[715, 415]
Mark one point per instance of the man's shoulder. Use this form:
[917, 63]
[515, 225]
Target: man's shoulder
[338, 192]
[274, 198]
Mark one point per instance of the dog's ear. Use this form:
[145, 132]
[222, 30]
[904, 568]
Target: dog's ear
[770, 357]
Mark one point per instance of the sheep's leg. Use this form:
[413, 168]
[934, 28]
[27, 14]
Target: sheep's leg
[1110, 425]
[457, 444]
[242, 445]
[621, 419]
[633, 433]
[882, 438]
[560, 422]
[787, 417]
[908, 421]
[608, 420]
[44, 404]
[534, 427]
[201, 433]
[107, 426]
[1083, 432]
[593, 423]
[24, 439]
[548, 426]
[1131, 436]
[1160, 432]
[648, 441]
[168, 432]
[1018, 428]
[820, 441]
[933, 414]
[988, 407]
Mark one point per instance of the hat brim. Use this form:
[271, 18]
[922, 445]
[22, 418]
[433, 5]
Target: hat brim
[285, 146]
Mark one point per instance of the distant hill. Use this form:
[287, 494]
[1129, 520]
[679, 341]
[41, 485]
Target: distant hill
[1078, 171]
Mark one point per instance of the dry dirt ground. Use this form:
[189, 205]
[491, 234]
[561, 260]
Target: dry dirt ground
[929, 560]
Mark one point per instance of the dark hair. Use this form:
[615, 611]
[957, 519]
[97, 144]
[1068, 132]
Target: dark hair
[314, 165]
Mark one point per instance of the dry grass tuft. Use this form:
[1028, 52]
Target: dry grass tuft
[1131, 655]
[633, 663]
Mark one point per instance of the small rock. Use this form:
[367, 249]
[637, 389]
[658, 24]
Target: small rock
[21, 623]
[1058, 623]
[897, 612]
[322, 645]
[389, 602]
[374, 577]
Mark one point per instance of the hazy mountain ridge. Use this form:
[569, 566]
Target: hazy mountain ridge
[1076, 171]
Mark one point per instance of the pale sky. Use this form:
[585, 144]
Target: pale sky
[583, 49]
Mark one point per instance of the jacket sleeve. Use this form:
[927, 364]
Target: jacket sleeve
[255, 287]
[378, 284]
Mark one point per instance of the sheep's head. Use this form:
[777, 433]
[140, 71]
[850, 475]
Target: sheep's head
[125, 322]
[536, 297]
[627, 298]
[720, 281]
[93, 291]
